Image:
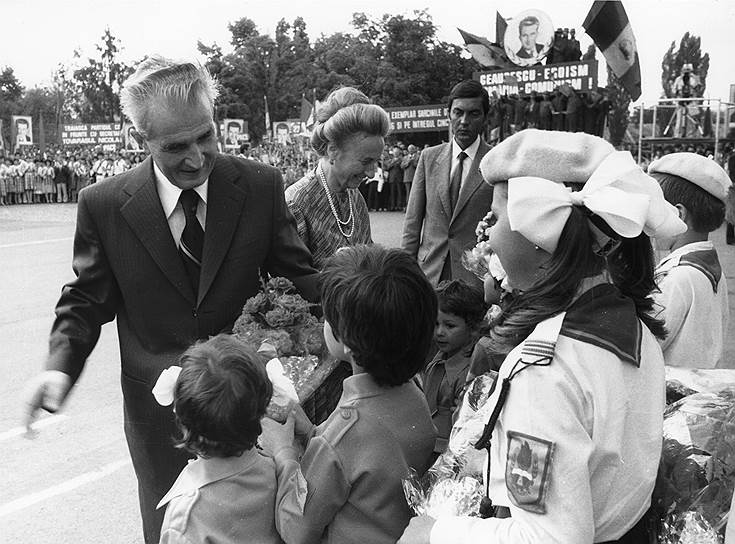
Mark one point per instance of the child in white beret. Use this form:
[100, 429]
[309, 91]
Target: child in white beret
[574, 428]
[693, 288]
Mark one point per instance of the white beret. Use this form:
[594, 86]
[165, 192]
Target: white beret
[696, 169]
[563, 157]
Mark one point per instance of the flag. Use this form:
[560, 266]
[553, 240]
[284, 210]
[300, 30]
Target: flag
[267, 117]
[608, 26]
[500, 27]
[485, 53]
[307, 110]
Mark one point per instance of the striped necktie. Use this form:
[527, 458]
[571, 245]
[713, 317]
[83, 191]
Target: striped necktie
[192, 239]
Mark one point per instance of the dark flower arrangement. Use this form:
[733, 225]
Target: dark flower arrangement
[282, 318]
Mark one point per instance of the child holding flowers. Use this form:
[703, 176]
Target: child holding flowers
[219, 394]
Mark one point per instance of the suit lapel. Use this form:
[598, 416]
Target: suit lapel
[144, 215]
[443, 168]
[472, 182]
[224, 207]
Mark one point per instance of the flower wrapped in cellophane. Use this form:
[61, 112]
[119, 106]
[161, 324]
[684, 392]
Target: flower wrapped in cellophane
[453, 486]
[281, 318]
[696, 477]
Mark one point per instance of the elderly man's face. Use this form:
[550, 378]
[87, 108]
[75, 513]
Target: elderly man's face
[529, 34]
[182, 141]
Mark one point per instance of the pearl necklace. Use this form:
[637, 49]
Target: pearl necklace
[340, 223]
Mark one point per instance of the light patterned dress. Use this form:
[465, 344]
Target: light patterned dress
[307, 200]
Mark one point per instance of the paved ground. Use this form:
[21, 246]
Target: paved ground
[73, 482]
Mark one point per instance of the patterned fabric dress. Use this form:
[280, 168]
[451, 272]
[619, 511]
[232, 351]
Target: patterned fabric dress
[308, 202]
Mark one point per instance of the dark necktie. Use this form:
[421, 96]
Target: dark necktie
[192, 239]
[456, 181]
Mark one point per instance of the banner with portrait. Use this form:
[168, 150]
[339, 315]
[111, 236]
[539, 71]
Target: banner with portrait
[235, 133]
[21, 131]
[528, 37]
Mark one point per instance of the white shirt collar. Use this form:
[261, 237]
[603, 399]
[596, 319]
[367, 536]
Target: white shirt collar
[470, 150]
[170, 193]
[672, 259]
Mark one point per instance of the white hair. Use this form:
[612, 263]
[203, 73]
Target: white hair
[161, 78]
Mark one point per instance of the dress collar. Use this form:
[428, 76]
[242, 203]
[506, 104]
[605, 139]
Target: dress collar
[200, 472]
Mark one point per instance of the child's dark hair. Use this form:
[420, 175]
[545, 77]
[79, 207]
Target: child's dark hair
[379, 304]
[457, 297]
[707, 211]
[630, 265]
[220, 397]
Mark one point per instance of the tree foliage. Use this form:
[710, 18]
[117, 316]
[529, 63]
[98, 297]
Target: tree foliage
[98, 83]
[689, 51]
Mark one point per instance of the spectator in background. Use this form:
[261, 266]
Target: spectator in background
[409, 163]
[395, 179]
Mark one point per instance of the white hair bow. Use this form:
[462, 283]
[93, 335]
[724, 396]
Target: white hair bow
[625, 198]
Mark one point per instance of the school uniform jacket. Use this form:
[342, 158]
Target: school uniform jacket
[575, 452]
[694, 305]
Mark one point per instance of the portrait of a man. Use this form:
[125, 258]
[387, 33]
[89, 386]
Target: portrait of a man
[233, 134]
[528, 34]
[23, 131]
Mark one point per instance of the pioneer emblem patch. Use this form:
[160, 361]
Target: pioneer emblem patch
[527, 471]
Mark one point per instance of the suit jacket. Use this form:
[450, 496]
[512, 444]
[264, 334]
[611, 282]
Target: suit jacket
[127, 266]
[523, 54]
[430, 230]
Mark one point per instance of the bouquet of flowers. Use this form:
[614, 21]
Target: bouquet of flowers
[280, 317]
[697, 472]
[453, 485]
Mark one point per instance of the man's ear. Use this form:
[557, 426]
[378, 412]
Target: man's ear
[684, 214]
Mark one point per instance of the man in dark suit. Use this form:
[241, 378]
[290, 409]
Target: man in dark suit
[172, 249]
[448, 196]
[528, 34]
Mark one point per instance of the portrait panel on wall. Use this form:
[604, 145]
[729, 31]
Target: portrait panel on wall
[233, 133]
[529, 37]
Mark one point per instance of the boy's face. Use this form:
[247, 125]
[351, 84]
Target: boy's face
[451, 333]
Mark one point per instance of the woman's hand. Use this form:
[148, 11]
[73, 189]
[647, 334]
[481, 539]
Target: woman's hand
[418, 530]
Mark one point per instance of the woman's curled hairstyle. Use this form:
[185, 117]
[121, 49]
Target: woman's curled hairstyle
[344, 113]
[220, 397]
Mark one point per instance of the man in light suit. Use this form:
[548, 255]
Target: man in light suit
[172, 249]
[448, 196]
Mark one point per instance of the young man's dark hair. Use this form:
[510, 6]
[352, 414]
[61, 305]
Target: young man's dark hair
[470, 88]
[707, 211]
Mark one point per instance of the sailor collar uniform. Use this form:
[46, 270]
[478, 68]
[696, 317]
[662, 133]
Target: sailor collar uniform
[575, 449]
[694, 305]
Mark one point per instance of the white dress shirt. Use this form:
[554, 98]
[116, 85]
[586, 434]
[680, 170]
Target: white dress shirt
[169, 195]
[471, 151]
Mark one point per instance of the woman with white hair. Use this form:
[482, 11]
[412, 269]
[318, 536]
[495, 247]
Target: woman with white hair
[574, 432]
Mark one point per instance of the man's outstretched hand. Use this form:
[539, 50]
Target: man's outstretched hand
[46, 391]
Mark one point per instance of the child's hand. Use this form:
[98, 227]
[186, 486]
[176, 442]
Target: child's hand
[303, 427]
[276, 436]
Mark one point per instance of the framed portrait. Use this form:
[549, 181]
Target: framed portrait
[529, 37]
[234, 133]
[22, 130]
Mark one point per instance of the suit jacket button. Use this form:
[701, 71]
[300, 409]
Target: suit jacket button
[194, 313]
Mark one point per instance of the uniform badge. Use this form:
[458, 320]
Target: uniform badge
[527, 471]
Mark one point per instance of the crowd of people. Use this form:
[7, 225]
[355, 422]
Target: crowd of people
[567, 226]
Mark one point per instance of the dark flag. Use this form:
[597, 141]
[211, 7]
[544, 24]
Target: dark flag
[487, 54]
[607, 24]
[500, 27]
